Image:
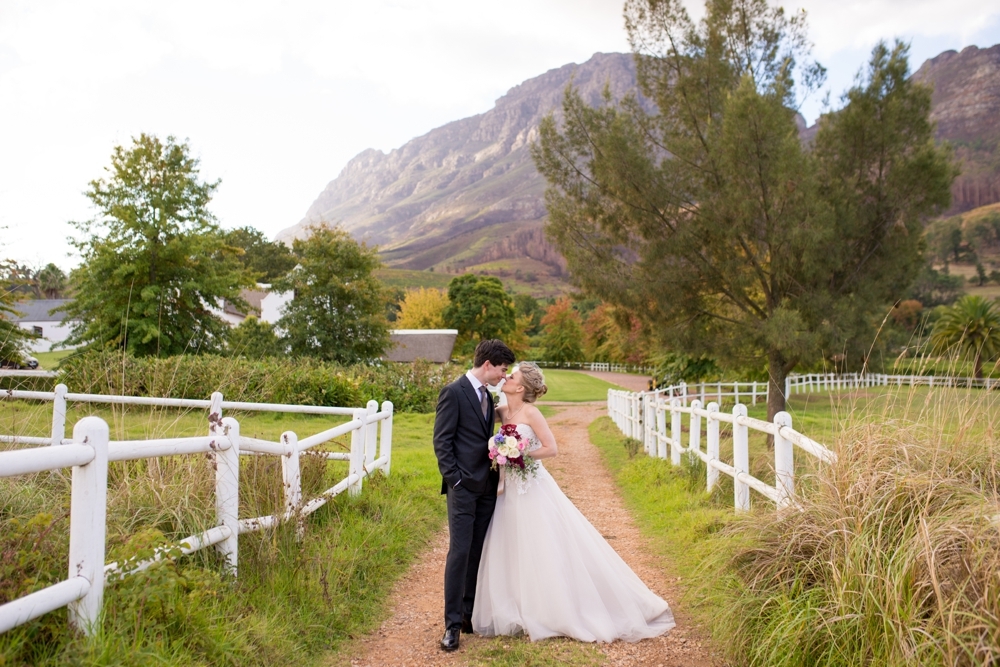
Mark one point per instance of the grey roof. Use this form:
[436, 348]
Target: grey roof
[430, 344]
[37, 310]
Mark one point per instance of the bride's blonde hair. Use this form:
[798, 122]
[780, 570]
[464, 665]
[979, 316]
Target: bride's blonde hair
[533, 381]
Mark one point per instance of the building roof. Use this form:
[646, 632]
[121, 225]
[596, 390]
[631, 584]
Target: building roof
[37, 310]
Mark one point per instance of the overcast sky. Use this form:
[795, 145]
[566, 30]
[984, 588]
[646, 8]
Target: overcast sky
[275, 97]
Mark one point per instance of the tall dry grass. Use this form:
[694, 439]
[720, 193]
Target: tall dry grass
[894, 557]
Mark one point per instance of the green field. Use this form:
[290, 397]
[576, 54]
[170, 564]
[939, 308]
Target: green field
[406, 279]
[50, 360]
[574, 386]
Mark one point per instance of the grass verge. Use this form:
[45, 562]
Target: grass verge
[293, 603]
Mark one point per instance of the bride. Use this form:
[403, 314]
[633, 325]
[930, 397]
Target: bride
[545, 570]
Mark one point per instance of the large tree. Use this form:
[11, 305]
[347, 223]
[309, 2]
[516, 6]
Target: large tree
[695, 206]
[338, 309]
[154, 263]
[479, 309]
[266, 260]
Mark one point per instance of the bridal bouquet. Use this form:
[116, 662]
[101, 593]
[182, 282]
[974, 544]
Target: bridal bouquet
[507, 452]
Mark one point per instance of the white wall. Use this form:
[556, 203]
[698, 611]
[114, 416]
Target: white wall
[52, 333]
[271, 305]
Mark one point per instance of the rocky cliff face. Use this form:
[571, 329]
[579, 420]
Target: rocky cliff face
[466, 193]
[966, 108]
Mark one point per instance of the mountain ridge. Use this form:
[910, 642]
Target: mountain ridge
[466, 196]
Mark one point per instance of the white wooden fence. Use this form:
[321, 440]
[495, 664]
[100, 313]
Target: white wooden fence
[752, 392]
[90, 450]
[597, 366]
[644, 416]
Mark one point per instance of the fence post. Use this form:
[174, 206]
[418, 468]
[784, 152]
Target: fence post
[784, 465]
[227, 494]
[753, 390]
[357, 465]
[371, 436]
[59, 415]
[88, 523]
[291, 476]
[675, 433]
[694, 437]
[661, 429]
[741, 458]
[712, 445]
[385, 438]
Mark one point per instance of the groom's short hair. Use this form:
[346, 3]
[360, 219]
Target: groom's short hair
[493, 351]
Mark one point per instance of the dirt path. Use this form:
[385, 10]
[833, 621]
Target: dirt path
[410, 636]
[624, 380]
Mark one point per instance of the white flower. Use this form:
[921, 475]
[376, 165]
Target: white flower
[510, 441]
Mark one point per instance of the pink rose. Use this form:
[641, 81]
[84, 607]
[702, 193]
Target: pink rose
[502, 460]
[493, 454]
[520, 445]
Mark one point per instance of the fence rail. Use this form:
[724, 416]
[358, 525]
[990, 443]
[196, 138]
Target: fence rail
[90, 449]
[644, 416]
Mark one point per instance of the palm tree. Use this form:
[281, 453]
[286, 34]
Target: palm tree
[51, 281]
[970, 327]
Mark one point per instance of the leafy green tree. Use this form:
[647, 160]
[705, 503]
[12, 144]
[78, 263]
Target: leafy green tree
[707, 218]
[154, 263]
[935, 288]
[13, 339]
[562, 333]
[338, 311]
[51, 281]
[479, 308]
[254, 339]
[970, 329]
[266, 260]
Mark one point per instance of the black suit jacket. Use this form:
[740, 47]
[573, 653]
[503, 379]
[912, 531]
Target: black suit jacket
[460, 438]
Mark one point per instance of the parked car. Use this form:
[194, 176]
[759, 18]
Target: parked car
[27, 363]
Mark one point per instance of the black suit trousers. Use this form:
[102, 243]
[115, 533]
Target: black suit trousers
[469, 515]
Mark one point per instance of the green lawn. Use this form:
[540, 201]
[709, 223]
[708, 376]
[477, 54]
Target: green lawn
[574, 386]
[406, 279]
[296, 602]
[49, 360]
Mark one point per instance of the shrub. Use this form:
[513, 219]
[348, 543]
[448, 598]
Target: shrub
[305, 381]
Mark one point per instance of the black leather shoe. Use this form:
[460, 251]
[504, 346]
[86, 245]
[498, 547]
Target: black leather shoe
[467, 627]
[450, 640]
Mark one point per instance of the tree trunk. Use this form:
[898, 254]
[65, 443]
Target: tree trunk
[777, 371]
[977, 366]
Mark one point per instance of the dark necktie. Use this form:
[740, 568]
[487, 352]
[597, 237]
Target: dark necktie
[484, 400]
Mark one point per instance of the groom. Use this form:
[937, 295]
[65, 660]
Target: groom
[462, 426]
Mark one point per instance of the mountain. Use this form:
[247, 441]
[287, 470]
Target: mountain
[466, 196]
[966, 108]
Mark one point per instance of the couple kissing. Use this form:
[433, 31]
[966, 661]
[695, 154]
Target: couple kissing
[524, 560]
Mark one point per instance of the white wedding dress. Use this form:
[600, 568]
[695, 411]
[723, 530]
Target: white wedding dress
[547, 572]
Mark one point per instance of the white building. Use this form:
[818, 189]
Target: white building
[46, 320]
[264, 304]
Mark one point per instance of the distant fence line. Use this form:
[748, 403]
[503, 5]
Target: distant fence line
[90, 449]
